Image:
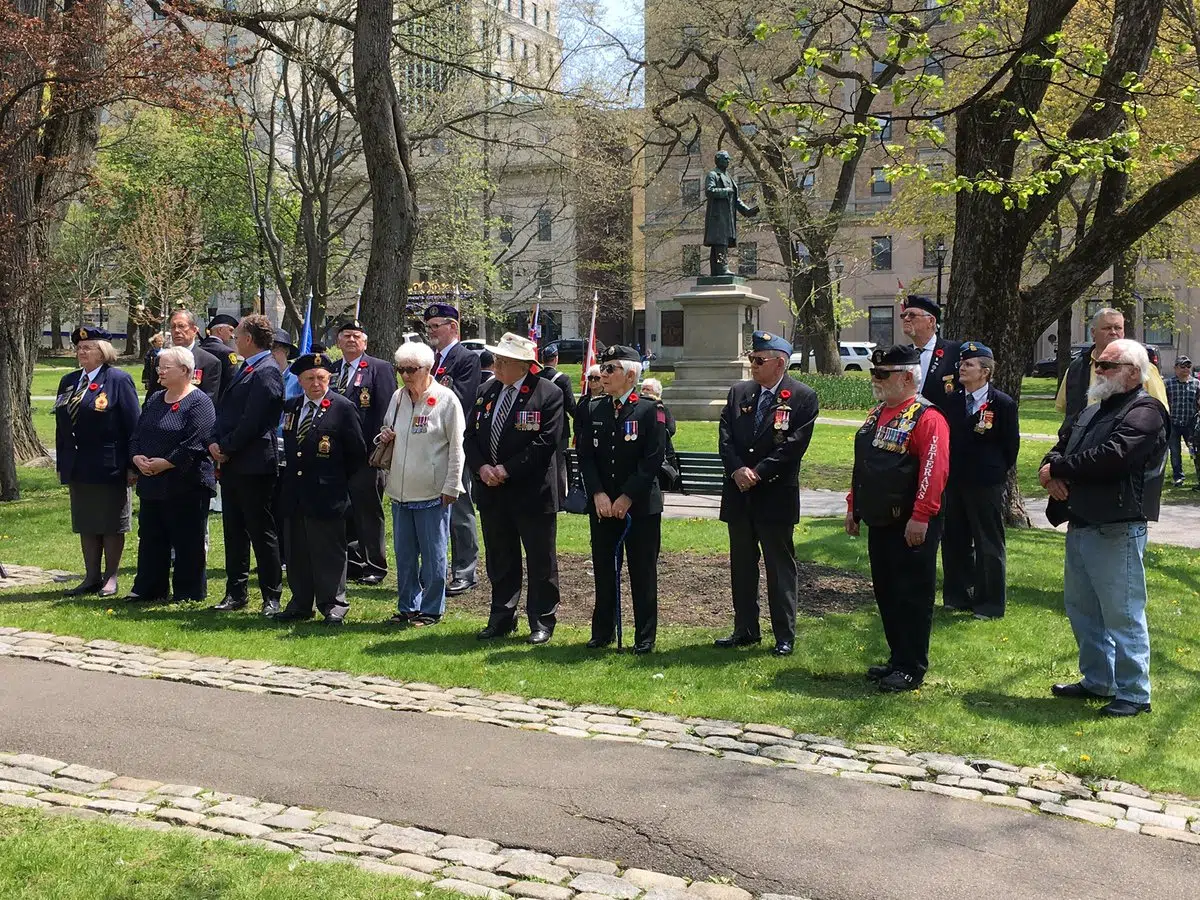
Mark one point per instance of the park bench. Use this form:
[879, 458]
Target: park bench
[700, 473]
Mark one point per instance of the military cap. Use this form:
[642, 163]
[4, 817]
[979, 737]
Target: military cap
[618, 352]
[765, 340]
[445, 310]
[550, 352]
[88, 333]
[350, 324]
[312, 361]
[916, 301]
[222, 319]
[974, 349]
[896, 355]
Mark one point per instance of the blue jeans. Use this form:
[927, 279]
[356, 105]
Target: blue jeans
[1104, 590]
[421, 537]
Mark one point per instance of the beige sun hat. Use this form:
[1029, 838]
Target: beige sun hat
[513, 346]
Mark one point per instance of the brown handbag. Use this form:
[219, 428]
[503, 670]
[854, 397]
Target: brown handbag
[381, 455]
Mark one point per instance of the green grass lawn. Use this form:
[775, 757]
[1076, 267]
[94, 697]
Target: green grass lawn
[51, 858]
[987, 692]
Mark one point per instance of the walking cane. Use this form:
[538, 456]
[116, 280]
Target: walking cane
[617, 570]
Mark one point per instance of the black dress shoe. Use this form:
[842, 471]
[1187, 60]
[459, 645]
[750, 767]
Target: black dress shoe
[134, 598]
[1077, 691]
[598, 643]
[371, 579]
[540, 636]
[1124, 709]
[82, 590]
[334, 621]
[783, 648]
[737, 640]
[643, 647]
[458, 586]
[293, 615]
[493, 631]
[270, 608]
[898, 681]
[875, 673]
[108, 592]
[229, 604]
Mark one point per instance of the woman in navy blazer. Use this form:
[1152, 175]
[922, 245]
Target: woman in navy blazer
[96, 411]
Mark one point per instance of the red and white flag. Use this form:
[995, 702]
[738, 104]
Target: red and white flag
[589, 355]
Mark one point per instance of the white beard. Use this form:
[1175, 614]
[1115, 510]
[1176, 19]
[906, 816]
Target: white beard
[876, 391]
[1103, 388]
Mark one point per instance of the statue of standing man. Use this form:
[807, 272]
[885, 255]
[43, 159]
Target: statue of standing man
[720, 215]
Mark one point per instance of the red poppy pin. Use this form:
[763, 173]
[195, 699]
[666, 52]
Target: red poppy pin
[249, 369]
[441, 370]
[93, 386]
[785, 394]
[939, 352]
[524, 389]
[175, 407]
[362, 363]
[325, 403]
[633, 398]
[432, 401]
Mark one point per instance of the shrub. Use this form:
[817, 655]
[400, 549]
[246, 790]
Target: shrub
[833, 392]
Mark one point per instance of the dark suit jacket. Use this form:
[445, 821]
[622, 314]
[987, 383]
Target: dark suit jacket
[774, 453]
[225, 356]
[563, 383]
[941, 387]
[983, 457]
[95, 449]
[248, 416]
[316, 480]
[207, 377]
[370, 390]
[526, 450]
[615, 466]
[458, 370]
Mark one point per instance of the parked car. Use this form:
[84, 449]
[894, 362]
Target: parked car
[1048, 367]
[855, 357]
[572, 350]
[475, 345]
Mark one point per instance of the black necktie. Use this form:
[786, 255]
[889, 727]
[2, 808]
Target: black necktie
[77, 399]
[306, 420]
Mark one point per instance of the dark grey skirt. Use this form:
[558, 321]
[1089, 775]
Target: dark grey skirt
[99, 508]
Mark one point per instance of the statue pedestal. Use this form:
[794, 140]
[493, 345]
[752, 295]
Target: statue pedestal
[718, 320]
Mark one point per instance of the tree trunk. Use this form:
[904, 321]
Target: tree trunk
[1062, 348]
[389, 168]
[56, 341]
[1125, 289]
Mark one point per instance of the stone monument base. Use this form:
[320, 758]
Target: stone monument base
[719, 315]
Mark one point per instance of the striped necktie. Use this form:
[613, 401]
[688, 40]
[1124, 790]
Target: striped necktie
[76, 399]
[506, 398]
[764, 400]
[306, 420]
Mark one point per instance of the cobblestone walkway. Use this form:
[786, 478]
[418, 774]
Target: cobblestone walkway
[469, 866]
[1116, 804]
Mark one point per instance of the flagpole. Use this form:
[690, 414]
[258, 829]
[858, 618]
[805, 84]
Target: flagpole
[589, 357]
[357, 302]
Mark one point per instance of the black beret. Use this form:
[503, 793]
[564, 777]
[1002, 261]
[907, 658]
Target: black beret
[312, 361]
[222, 319]
[974, 349]
[619, 352]
[89, 333]
[350, 325]
[916, 301]
[896, 355]
[445, 310]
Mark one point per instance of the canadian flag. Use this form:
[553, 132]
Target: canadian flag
[589, 356]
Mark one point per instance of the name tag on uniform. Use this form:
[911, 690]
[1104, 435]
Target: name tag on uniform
[529, 421]
[631, 432]
[420, 424]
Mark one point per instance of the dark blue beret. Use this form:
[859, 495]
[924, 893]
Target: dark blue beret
[445, 310]
[88, 333]
[764, 340]
[974, 349]
[896, 355]
[312, 361]
[222, 319]
[916, 301]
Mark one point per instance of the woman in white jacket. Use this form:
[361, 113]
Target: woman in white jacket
[426, 423]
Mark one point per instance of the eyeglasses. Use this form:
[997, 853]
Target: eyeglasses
[409, 370]
[913, 314]
[162, 369]
[1107, 365]
[593, 378]
[609, 368]
[762, 360]
[884, 374]
[432, 324]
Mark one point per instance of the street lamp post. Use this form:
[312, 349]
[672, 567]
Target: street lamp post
[940, 250]
[838, 268]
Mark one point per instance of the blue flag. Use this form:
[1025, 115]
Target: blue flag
[306, 331]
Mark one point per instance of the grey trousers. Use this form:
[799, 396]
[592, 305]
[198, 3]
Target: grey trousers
[367, 547]
[316, 572]
[775, 544]
[464, 543]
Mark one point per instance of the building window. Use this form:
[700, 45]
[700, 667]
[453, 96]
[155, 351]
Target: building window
[506, 230]
[524, 50]
[535, 16]
[691, 261]
[671, 325]
[881, 253]
[747, 259]
[544, 225]
[879, 182]
[689, 190]
[1090, 308]
[537, 57]
[929, 251]
[547, 20]
[512, 47]
[881, 325]
[522, 8]
[508, 6]
[545, 274]
[884, 123]
[1158, 321]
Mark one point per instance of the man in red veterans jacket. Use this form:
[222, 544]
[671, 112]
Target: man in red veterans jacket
[511, 438]
[765, 428]
[901, 459]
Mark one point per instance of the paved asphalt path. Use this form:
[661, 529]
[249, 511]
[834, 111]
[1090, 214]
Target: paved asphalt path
[672, 811]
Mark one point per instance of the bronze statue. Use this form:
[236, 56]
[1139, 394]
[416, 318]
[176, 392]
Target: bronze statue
[720, 215]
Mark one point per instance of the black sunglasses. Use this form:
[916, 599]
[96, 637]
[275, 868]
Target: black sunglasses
[761, 360]
[609, 368]
[1107, 365]
[409, 370]
[593, 378]
[884, 374]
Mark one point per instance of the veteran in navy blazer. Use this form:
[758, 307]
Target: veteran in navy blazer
[95, 414]
[510, 444]
[456, 367]
[919, 319]
[219, 342]
[764, 431]
[984, 441]
[245, 450]
[323, 443]
[368, 383]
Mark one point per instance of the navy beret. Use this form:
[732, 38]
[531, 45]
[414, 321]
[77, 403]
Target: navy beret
[445, 310]
[764, 340]
[312, 361]
[350, 325]
[916, 301]
[974, 349]
[896, 355]
[618, 352]
[222, 319]
[88, 333]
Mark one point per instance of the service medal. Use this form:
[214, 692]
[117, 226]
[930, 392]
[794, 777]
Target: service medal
[782, 417]
[323, 445]
[364, 397]
[631, 431]
[102, 401]
[197, 377]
